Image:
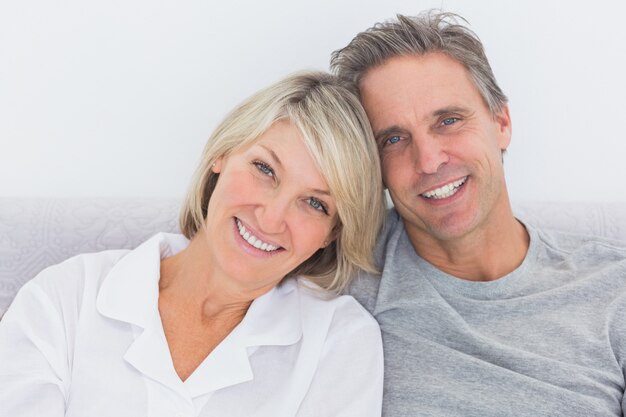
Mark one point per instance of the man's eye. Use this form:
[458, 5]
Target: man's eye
[449, 121]
[264, 168]
[317, 205]
[393, 139]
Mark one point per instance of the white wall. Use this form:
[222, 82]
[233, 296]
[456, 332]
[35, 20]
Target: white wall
[116, 98]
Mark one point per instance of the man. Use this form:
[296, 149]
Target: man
[481, 315]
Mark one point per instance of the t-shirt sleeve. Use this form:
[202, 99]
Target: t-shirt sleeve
[34, 366]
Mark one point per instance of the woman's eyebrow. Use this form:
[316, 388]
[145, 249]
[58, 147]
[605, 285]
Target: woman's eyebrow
[276, 160]
[273, 155]
[323, 192]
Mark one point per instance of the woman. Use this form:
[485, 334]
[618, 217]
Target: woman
[230, 319]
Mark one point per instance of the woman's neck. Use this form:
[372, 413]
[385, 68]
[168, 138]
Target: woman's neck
[188, 280]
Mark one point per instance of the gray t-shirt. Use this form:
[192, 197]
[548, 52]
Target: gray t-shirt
[548, 339]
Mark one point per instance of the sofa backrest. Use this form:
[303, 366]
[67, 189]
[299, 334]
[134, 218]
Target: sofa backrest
[39, 232]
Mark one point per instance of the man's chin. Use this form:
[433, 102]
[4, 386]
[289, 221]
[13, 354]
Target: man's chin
[447, 229]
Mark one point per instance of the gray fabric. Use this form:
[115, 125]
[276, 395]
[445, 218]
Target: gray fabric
[549, 339]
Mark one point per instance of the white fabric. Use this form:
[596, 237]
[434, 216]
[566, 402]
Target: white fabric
[84, 338]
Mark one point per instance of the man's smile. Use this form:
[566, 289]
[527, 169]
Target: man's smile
[445, 191]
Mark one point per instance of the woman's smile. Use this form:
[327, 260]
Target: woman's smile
[253, 240]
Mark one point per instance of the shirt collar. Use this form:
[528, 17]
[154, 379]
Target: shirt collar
[272, 319]
[130, 294]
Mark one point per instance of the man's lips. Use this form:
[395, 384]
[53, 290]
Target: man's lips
[446, 190]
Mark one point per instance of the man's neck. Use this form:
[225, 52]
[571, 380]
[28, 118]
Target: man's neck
[483, 255]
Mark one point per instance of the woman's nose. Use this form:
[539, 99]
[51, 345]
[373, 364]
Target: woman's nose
[272, 215]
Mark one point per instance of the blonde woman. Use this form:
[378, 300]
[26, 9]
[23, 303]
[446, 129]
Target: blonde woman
[237, 316]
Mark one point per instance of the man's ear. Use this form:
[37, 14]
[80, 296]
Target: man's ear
[504, 127]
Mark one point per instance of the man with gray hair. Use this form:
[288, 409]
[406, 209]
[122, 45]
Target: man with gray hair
[481, 315]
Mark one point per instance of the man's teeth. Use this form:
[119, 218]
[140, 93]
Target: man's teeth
[445, 191]
[253, 240]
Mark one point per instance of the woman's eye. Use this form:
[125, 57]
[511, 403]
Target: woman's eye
[317, 205]
[264, 168]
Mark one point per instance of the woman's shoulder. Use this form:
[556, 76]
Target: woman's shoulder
[342, 312]
[67, 281]
[78, 267]
[85, 273]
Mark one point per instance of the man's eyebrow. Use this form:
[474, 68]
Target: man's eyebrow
[273, 155]
[387, 131]
[450, 109]
[379, 135]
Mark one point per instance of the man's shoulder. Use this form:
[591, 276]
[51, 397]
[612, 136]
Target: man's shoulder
[392, 226]
[582, 245]
[577, 256]
[364, 287]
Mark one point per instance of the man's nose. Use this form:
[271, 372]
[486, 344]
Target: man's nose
[428, 154]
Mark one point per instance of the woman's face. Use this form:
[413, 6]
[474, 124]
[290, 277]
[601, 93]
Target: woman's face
[270, 211]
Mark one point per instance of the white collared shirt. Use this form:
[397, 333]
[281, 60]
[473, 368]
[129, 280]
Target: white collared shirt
[84, 338]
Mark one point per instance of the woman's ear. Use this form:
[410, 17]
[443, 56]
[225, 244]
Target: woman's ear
[332, 236]
[217, 165]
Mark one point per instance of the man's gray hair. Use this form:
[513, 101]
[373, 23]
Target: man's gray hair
[430, 32]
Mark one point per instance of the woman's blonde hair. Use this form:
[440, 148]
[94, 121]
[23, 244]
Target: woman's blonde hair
[336, 131]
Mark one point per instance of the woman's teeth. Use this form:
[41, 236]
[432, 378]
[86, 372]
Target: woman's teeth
[253, 240]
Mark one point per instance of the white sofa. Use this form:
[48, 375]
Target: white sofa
[38, 232]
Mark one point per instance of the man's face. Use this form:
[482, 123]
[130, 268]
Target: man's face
[440, 147]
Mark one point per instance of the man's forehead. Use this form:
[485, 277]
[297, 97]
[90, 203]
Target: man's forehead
[429, 84]
[428, 70]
